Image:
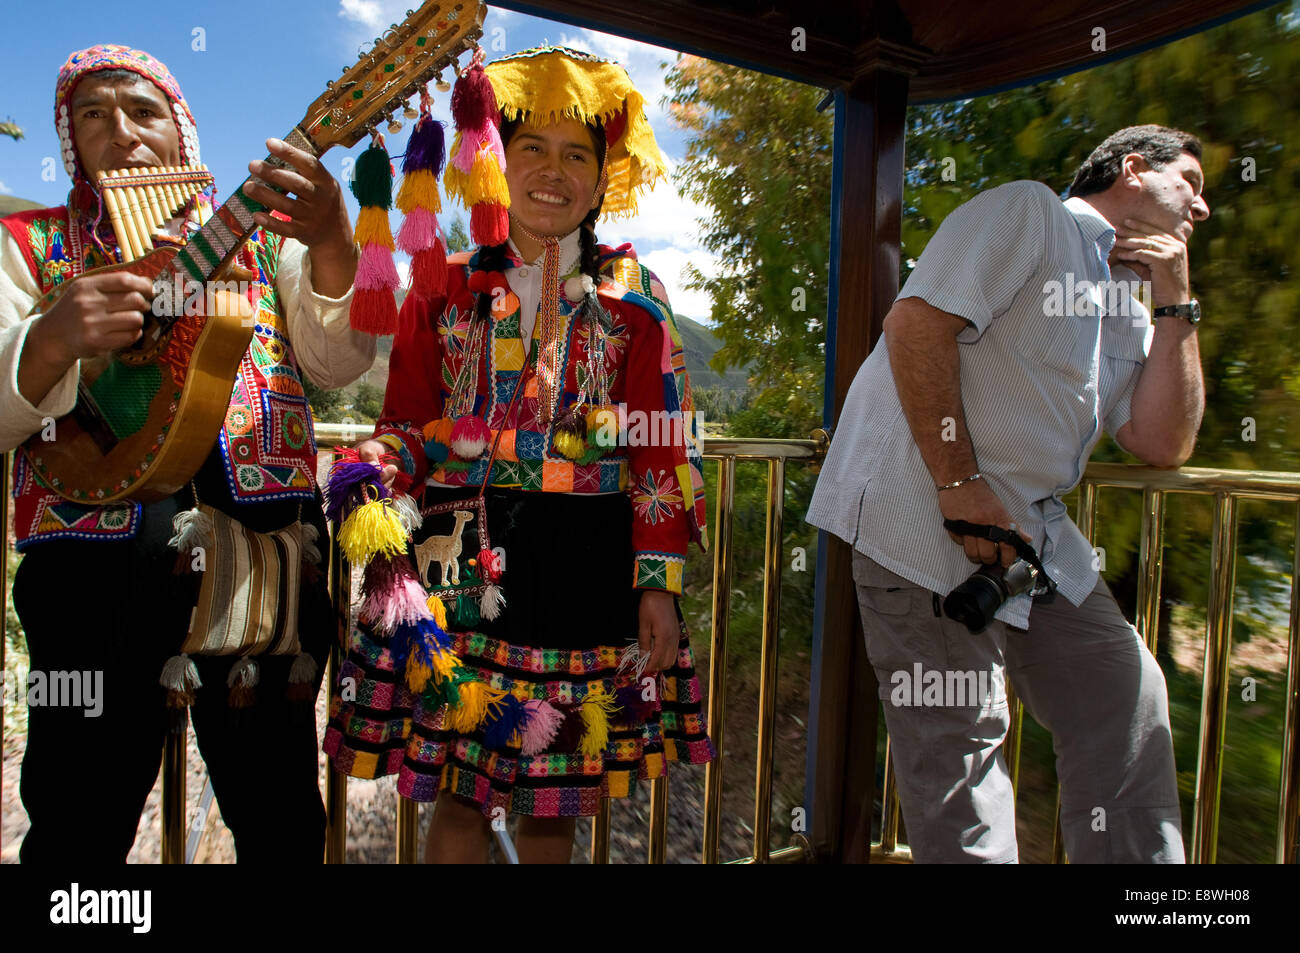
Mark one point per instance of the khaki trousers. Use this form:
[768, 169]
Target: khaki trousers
[1083, 673]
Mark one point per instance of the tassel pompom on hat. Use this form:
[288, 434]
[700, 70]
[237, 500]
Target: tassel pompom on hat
[109, 56]
[545, 85]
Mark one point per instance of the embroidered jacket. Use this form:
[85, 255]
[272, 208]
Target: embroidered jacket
[657, 460]
[267, 444]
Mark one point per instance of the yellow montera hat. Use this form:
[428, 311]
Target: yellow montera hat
[545, 85]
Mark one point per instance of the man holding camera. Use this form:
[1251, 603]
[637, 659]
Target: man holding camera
[1014, 341]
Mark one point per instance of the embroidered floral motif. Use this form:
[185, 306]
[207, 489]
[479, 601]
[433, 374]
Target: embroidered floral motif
[453, 326]
[656, 499]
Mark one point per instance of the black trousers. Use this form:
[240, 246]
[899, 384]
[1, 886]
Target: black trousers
[118, 608]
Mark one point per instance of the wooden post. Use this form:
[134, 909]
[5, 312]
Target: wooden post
[867, 201]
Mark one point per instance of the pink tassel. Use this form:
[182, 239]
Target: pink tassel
[469, 144]
[405, 603]
[419, 231]
[544, 722]
[376, 270]
[493, 141]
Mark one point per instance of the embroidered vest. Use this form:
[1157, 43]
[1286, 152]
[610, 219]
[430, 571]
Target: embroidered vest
[267, 443]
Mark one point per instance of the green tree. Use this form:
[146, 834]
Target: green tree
[457, 236]
[369, 400]
[759, 156]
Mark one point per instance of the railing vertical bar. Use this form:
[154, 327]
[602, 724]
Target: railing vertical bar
[1011, 747]
[408, 829]
[336, 783]
[1214, 687]
[172, 836]
[1058, 839]
[658, 852]
[1288, 800]
[1151, 561]
[600, 834]
[889, 805]
[723, 570]
[768, 662]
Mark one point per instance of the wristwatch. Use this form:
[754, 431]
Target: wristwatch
[1191, 312]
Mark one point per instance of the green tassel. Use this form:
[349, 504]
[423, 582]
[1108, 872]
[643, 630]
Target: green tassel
[467, 615]
[372, 178]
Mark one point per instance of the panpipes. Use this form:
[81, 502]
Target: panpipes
[141, 202]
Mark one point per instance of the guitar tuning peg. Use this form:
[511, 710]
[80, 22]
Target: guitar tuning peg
[395, 127]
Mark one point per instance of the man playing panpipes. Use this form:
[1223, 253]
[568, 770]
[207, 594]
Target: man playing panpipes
[97, 591]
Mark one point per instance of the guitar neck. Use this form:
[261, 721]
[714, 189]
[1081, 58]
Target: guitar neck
[215, 244]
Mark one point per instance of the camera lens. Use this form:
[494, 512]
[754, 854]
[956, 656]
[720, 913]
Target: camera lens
[974, 602]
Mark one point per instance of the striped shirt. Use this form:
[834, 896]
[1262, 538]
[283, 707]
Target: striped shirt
[1052, 354]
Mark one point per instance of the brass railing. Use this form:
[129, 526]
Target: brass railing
[1226, 487]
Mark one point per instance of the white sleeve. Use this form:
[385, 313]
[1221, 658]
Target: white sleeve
[328, 350]
[19, 418]
[982, 254]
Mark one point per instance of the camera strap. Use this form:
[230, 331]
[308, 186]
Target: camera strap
[1013, 539]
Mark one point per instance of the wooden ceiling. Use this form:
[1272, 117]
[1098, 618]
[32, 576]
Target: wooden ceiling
[953, 48]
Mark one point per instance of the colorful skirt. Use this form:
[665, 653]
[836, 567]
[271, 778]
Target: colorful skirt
[570, 615]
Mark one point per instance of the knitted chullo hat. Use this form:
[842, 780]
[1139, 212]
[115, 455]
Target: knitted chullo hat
[110, 56]
[546, 85]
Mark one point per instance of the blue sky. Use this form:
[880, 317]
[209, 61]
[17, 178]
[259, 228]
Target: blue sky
[264, 62]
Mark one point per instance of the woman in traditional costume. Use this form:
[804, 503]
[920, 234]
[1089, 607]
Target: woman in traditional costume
[552, 668]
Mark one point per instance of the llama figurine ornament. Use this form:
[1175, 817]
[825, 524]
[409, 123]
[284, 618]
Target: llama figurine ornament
[445, 550]
[476, 592]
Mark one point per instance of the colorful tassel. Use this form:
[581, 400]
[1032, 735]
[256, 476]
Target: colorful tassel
[596, 709]
[475, 698]
[489, 565]
[569, 734]
[491, 602]
[346, 479]
[487, 222]
[571, 432]
[374, 307]
[372, 528]
[505, 724]
[242, 682]
[420, 235]
[191, 528]
[476, 172]
[402, 604]
[469, 437]
[309, 534]
[467, 612]
[302, 679]
[438, 610]
[544, 721]
[633, 661]
[602, 428]
[635, 706]
[180, 677]
[408, 512]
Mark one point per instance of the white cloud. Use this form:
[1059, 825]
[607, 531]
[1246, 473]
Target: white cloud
[668, 263]
[4, 189]
[367, 12]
